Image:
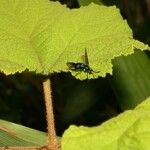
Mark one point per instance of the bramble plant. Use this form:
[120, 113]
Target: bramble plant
[42, 36]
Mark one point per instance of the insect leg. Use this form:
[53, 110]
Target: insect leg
[87, 75]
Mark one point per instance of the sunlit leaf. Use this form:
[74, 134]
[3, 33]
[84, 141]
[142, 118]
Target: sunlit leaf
[42, 36]
[129, 130]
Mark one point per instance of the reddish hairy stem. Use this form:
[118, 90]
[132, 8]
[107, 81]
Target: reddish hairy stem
[52, 139]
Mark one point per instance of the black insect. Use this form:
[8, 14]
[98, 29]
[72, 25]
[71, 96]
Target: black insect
[81, 67]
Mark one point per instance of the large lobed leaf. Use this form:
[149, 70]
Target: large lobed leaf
[129, 130]
[43, 36]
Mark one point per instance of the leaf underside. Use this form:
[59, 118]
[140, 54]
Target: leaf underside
[42, 36]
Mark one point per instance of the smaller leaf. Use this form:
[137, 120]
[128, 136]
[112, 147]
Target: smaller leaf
[129, 130]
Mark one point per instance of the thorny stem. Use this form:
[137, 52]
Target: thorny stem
[52, 139]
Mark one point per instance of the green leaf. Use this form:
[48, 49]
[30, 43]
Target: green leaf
[129, 130]
[131, 79]
[87, 2]
[43, 36]
[12, 134]
[82, 96]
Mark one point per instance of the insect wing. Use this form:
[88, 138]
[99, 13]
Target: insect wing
[86, 60]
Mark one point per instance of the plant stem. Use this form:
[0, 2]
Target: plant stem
[52, 139]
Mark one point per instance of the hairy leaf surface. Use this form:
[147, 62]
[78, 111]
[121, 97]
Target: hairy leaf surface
[42, 36]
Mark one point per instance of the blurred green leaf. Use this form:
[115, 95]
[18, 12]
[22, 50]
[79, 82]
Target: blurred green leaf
[129, 130]
[12, 134]
[78, 102]
[87, 2]
[131, 79]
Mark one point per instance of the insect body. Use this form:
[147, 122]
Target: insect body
[81, 67]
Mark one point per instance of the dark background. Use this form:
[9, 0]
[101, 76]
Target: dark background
[88, 102]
